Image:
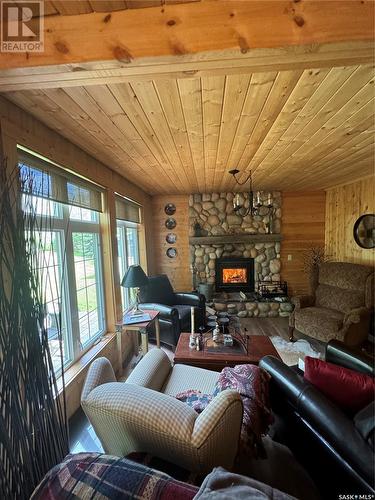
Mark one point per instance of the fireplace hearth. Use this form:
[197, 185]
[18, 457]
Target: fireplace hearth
[234, 274]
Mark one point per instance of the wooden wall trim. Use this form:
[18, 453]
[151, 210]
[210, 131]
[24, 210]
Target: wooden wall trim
[196, 27]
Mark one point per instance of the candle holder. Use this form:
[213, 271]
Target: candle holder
[193, 341]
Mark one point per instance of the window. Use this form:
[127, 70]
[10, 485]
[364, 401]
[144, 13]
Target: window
[128, 253]
[50, 268]
[128, 215]
[69, 256]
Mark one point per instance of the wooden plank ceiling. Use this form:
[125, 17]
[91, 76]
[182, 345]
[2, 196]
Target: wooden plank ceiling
[296, 130]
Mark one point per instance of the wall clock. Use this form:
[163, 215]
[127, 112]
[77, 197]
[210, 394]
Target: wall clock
[364, 231]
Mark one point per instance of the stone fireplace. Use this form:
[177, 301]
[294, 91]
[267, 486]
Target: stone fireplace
[225, 234]
[222, 235]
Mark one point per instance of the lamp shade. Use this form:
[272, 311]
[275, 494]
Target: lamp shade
[134, 277]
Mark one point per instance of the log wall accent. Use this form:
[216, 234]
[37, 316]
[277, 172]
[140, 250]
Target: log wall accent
[177, 269]
[302, 227]
[343, 207]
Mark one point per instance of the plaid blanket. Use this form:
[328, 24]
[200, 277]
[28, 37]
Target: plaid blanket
[252, 384]
[99, 477]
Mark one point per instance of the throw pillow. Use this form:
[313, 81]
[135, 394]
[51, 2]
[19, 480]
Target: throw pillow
[194, 398]
[350, 390]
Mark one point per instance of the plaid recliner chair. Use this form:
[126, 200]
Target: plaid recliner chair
[340, 306]
[143, 415]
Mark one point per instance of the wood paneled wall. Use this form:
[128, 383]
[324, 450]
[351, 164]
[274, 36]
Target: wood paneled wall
[344, 205]
[177, 269]
[303, 221]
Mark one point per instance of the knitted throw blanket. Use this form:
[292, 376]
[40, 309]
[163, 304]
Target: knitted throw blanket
[253, 385]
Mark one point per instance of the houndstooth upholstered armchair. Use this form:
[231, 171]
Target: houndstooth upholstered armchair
[143, 415]
[340, 306]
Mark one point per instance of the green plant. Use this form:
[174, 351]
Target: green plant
[33, 423]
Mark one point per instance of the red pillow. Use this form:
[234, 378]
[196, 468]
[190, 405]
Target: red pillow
[350, 390]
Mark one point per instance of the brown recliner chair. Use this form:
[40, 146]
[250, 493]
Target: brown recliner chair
[340, 306]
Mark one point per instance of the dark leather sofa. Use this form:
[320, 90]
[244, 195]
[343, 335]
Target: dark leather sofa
[325, 440]
[174, 308]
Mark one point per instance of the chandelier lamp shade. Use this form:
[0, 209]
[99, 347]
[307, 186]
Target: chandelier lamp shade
[255, 198]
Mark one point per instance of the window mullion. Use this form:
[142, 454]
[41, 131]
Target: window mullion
[73, 302]
[65, 317]
[99, 281]
[127, 291]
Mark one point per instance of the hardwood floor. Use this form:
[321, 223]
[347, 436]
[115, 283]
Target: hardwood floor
[266, 326]
[82, 436]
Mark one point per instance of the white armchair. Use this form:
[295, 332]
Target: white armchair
[143, 415]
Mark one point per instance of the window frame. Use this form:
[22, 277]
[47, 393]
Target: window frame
[123, 226]
[88, 227]
[65, 226]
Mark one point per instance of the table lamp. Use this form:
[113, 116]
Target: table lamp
[135, 277]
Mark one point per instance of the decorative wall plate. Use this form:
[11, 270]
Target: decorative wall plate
[170, 223]
[364, 231]
[170, 208]
[171, 238]
[171, 252]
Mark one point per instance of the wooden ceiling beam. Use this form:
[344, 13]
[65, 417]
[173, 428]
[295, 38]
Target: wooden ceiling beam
[197, 27]
[128, 41]
[213, 64]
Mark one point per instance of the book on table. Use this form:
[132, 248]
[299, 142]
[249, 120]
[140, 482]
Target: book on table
[130, 319]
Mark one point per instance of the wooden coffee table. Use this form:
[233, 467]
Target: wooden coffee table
[259, 346]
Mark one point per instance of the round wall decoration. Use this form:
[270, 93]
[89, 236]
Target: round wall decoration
[170, 208]
[170, 223]
[364, 231]
[171, 252]
[171, 238]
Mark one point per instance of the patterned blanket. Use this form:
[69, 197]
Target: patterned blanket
[99, 477]
[252, 384]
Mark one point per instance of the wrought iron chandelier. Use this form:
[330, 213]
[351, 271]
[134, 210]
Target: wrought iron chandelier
[255, 200]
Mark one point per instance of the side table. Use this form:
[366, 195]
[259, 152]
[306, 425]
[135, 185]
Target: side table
[142, 329]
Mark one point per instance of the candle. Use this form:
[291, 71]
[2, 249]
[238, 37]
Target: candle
[192, 320]
[258, 201]
[270, 200]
